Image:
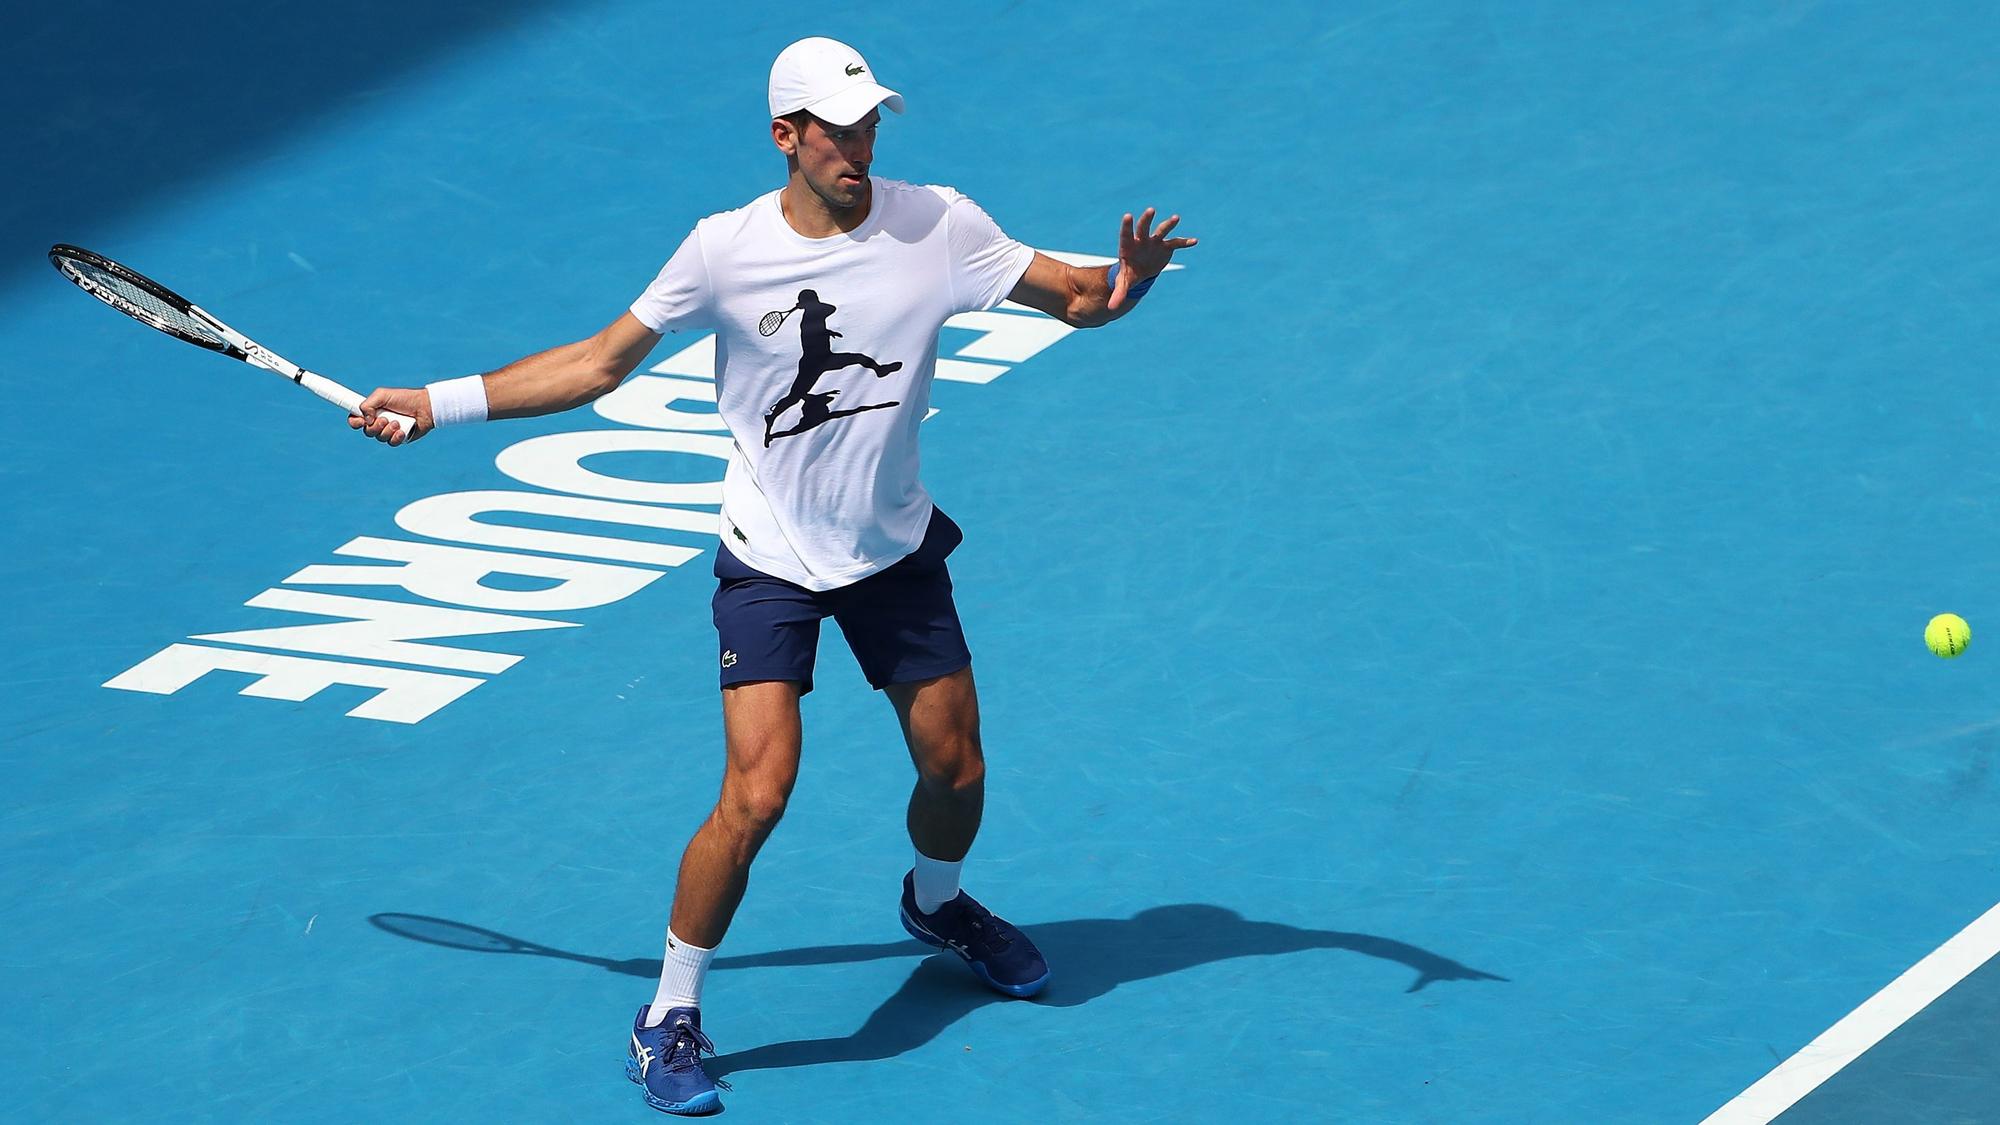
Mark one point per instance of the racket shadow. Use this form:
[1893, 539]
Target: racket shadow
[1088, 957]
[477, 939]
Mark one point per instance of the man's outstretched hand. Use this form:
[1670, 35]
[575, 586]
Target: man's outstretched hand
[1143, 251]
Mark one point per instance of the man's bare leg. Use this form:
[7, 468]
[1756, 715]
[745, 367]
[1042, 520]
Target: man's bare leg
[761, 732]
[940, 720]
[761, 729]
[941, 723]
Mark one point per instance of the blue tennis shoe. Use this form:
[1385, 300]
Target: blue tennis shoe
[999, 954]
[666, 1063]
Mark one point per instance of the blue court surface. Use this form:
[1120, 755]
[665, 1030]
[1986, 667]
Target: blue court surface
[1452, 655]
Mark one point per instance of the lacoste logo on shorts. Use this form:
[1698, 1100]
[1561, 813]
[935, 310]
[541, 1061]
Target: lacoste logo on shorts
[728, 659]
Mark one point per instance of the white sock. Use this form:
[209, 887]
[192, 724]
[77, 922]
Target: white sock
[935, 882]
[682, 971]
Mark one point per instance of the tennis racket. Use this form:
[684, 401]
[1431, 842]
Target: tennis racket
[772, 321]
[150, 303]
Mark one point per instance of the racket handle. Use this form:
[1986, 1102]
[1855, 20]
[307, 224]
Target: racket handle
[408, 423]
[350, 401]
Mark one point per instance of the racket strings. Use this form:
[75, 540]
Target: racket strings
[138, 301]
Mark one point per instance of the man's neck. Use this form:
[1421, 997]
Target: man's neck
[808, 214]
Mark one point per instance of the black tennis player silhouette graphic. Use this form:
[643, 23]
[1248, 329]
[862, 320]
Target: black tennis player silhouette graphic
[816, 358]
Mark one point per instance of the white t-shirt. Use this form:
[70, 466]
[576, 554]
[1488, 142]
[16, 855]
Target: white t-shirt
[822, 487]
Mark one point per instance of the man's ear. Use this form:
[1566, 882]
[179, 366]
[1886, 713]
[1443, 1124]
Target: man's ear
[784, 136]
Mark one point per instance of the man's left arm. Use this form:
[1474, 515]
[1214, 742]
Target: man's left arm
[1089, 296]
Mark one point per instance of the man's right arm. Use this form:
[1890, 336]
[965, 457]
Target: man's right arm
[543, 383]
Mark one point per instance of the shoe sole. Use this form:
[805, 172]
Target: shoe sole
[696, 1106]
[1019, 991]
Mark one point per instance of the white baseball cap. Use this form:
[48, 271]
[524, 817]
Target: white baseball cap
[829, 79]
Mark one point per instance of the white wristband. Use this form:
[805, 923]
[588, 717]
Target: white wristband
[455, 401]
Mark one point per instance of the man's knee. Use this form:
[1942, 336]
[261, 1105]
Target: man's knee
[751, 808]
[763, 734]
[951, 761]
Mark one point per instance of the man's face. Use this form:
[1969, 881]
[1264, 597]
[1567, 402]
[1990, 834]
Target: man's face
[834, 158]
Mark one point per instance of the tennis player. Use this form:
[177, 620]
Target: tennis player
[822, 512]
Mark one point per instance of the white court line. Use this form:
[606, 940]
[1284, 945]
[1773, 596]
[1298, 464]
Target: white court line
[1865, 1026]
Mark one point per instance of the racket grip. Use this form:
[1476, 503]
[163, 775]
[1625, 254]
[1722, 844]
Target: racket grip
[350, 401]
[409, 424]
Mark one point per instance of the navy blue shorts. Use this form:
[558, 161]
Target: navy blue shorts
[900, 622]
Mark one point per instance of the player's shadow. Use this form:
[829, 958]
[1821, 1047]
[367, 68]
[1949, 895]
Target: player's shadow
[1088, 957]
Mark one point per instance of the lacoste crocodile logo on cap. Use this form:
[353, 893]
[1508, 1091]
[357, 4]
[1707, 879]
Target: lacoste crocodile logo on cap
[855, 69]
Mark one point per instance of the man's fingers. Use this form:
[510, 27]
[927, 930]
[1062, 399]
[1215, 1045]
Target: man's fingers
[367, 418]
[1146, 247]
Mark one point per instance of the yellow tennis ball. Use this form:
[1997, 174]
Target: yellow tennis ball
[1947, 634]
